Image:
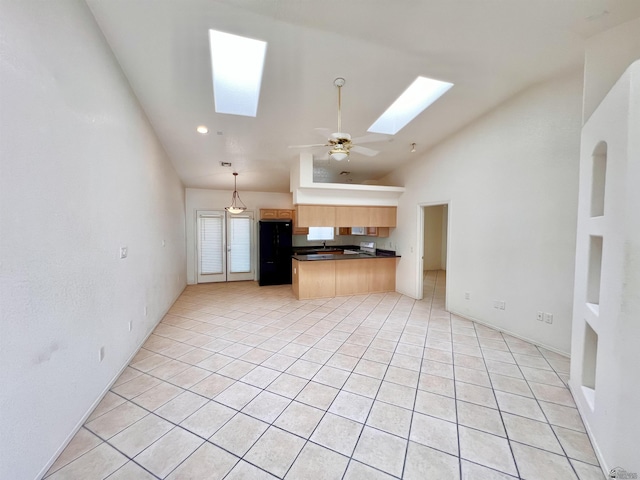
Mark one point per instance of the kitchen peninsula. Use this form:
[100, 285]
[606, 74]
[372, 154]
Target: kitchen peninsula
[321, 275]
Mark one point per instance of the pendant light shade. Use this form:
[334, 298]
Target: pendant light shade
[237, 206]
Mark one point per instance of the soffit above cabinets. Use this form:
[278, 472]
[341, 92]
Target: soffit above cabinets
[306, 191]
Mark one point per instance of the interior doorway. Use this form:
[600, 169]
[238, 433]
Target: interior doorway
[433, 228]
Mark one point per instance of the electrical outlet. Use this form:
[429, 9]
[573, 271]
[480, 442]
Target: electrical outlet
[467, 295]
[163, 243]
[539, 316]
[502, 305]
[124, 251]
[101, 354]
[130, 325]
[548, 317]
[496, 304]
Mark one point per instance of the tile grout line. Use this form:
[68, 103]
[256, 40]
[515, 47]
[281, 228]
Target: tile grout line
[493, 391]
[350, 322]
[404, 463]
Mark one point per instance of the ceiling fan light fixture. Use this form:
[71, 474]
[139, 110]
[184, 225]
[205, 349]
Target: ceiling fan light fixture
[237, 205]
[338, 153]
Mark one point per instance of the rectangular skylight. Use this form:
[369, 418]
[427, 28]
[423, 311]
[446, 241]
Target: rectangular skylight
[237, 64]
[420, 94]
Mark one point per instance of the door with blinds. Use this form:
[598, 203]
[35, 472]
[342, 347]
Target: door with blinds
[225, 246]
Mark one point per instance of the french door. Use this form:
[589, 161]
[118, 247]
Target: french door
[225, 246]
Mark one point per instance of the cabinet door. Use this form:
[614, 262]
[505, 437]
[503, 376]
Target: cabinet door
[316, 279]
[382, 216]
[316, 215]
[297, 230]
[352, 277]
[382, 274]
[268, 213]
[348, 216]
[285, 214]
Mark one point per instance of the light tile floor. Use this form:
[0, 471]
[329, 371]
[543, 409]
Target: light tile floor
[245, 382]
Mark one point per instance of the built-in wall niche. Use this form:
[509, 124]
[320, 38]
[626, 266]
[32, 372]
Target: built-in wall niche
[598, 179]
[589, 362]
[595, 269]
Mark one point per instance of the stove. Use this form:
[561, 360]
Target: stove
[366, 248]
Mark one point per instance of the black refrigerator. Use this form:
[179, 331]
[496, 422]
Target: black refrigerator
[275, 252]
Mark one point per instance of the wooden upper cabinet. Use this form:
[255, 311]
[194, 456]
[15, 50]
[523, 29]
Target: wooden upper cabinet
[268, 213]
[316, 215]
[345, 216]
[382, 217]
[297, 229]
[352, 216]
[359, 216]
[276, 213]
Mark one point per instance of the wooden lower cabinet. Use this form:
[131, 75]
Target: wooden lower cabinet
[331, 278]
[383, 275]
[352, 276]
[314, 279]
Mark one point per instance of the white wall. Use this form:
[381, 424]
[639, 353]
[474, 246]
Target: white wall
[203, 199]
[611, 411]
[82, 174]
[607, 56]
[511, 182]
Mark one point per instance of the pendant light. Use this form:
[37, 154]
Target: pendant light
[237, 205]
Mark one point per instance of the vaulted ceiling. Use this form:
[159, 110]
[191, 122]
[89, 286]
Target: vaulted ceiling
[490, 50]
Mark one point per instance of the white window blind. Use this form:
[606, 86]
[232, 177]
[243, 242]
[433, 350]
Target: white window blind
[320, 233]
[211, 244]
[240, 244]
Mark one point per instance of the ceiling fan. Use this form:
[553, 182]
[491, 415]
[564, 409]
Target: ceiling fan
[340, 142]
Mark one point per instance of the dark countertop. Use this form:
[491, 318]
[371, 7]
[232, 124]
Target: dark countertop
[341, 256]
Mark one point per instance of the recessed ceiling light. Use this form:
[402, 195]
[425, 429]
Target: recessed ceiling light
[202, 129]
[237, 64]
[420, 94]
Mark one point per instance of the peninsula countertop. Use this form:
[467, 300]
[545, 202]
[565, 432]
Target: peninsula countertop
[313, 257]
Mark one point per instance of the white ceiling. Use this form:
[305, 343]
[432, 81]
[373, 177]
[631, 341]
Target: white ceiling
[490, 49]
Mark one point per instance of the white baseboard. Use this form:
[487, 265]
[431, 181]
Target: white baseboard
[580, 405]
[513, 334]
[93, 406]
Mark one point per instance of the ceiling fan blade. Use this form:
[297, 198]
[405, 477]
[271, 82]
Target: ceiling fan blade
[369, 152]
[372, 138]
[309, 146]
